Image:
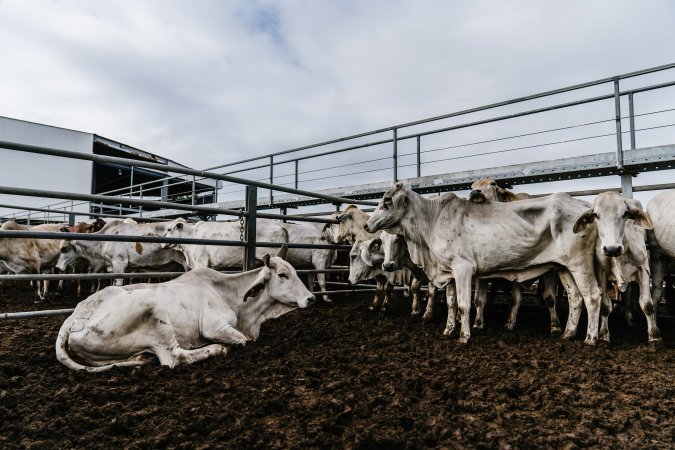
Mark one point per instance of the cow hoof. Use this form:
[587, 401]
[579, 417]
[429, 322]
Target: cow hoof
[509, 326]
[327, 300]
[415, 313]
[451, 332]
[657, 345]
[478, 331]
[568, 336]
[556, 332]
[591, 341]
[426, 318]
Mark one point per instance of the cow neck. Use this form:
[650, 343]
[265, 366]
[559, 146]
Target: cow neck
[417, 227]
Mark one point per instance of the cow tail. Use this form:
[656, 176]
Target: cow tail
[62, 348]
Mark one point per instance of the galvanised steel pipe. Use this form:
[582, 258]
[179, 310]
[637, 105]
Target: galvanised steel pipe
[129, 275]
[156, 239]
[164, 168]
[78, 213]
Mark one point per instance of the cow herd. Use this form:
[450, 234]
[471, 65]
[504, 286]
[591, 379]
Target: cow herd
[446, 242]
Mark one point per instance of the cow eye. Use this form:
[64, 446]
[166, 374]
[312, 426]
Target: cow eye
[283, 275]
[64, 249]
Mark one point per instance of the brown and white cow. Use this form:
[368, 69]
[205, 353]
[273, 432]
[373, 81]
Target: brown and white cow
[454, 238]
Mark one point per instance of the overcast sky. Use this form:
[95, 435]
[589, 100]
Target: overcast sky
[208, 82]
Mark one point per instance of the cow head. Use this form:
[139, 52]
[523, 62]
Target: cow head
[488, 191]
[68, 255]
[394, 247]
[348, 224]
[176, 229]
[610, 211]
[96, 225]
[279, 282]
[391, 210]
[364, 257]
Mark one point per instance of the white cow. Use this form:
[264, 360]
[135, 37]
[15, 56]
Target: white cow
[220, 257]
[365, 263]
[621, 225]
[181, 321]
[453, 238]
[122, 257]
[487, 190]
[661, 210]
[311, 258]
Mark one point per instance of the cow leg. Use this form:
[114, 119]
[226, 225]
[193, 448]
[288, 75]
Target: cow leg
[415, 287]
[574, 300]
[431, 298]
[215, 328]
[658, 266]
[592, 295]
[379, 292]
[605, 306]
[517, 295]
[648, 307]
[451, 300]
[479, 301]
[463, 285]
[388, 290]
[548, 281]
[628, 306]
[311, 281]
[321, 277]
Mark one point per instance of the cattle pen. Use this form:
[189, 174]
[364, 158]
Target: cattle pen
[339, 375]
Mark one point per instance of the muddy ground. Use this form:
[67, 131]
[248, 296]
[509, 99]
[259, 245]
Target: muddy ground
[340, 376]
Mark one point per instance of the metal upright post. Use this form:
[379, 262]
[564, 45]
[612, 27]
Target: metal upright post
[395, 155]
[193, 189]
[271, 179]
[419, 151]
[296, 174]
[617, 112]
[631, 114]
[249, 231]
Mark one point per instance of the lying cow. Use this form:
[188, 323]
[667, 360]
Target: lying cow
[453, 238]
[621, 225]
[181, 321]
[487, 190]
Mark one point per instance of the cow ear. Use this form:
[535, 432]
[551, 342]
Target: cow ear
[640, 218]
[255, 290]
[375, 246]
[179, 226]
[282, 253]
[504, 195]
[266, 259]
[584, 220]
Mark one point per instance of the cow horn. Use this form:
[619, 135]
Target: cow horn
[283, 252]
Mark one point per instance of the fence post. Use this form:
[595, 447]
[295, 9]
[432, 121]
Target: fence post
[249, 232]
[395, 155]
[296, 174]
[419, 164]
[271, 179]
[619, 136]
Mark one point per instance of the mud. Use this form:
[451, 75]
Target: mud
[341, 376]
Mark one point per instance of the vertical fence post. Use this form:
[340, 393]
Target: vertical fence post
[419, 159]
[619, 136]
[193, 189]
[631, 114]
[395, 155]
[271, 179]
[249, 231]
[296, 174]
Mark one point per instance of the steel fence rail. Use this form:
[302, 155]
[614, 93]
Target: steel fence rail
[164, 168]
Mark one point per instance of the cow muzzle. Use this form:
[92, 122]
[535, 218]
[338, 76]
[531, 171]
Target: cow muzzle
[389, 267]
[477, 196]
[612, 250]
[367, 228]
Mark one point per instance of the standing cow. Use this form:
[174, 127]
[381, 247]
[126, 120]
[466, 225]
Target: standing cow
[661, 210]
[487, 190]
[621, 225]
[181, 321]
[453, 238]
